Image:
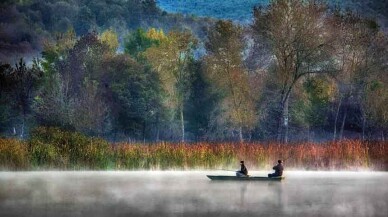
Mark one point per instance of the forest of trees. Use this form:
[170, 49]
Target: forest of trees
[125, 70]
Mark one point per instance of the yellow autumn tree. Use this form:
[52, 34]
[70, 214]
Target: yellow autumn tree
[170, 59]
[110, 38]
[156, 34]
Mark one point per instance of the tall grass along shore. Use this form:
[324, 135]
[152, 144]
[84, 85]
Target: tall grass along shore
[52, 148]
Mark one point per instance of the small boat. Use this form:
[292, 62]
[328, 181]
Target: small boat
[249, 178]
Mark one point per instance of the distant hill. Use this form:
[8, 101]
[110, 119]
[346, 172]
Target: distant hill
[26, 24]
[241, 10]
[238, 10]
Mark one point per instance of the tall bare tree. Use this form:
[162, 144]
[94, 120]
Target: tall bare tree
[359, 58]
[227, 73]
[300, 43]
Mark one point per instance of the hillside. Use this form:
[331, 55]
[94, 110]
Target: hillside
[241, 10]
[233, 9]
[26, 25]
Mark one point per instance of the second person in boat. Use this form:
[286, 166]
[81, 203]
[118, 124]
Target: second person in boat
[243, 172]
[278, 170]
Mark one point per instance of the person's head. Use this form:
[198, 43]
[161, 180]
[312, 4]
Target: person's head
[242, 162]
[280, 161]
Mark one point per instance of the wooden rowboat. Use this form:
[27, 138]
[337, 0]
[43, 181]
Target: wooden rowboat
[249, 178]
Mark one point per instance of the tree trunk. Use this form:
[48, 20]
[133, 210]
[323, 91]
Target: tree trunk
[363, 127]
[182, 124]
[157, 127]
[241, 135]
[22, 130]
[144, 131]
[285, 122]
[343, 124]
[336, 119]
[280, 120]
[22, 133]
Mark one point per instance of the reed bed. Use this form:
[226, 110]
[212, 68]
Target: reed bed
[13, 154]
[341, 155]
[52, 148]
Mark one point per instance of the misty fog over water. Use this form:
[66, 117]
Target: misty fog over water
[191, 194]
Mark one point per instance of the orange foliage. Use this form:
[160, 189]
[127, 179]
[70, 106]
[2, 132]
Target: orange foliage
[341, 155]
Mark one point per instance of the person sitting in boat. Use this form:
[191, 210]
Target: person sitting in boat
[278, 170]
[243, 172]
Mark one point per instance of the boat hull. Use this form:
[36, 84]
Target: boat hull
[250, 178]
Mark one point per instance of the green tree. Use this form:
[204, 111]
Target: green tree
[139, 41]
[5, 105]
[360, 53]
[72, 95]
[19, 85]
[374, 98]
[134, 97]
[201, 103]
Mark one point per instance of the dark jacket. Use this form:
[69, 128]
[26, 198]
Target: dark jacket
[244, 169]
[278, 169]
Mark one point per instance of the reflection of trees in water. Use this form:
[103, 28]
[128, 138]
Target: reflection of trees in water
[271, 196]
[243, 190]
[278, 194]
[279, 197]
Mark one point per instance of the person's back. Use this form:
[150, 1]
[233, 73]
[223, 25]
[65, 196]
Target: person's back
[278, 170]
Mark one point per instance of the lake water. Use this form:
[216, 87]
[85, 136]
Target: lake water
[191, 194]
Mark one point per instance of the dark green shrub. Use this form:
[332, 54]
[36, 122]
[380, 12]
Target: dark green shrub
[54, 147]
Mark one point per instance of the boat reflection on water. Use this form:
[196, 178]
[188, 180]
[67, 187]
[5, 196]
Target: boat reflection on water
[267, 196]
[243, 190]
